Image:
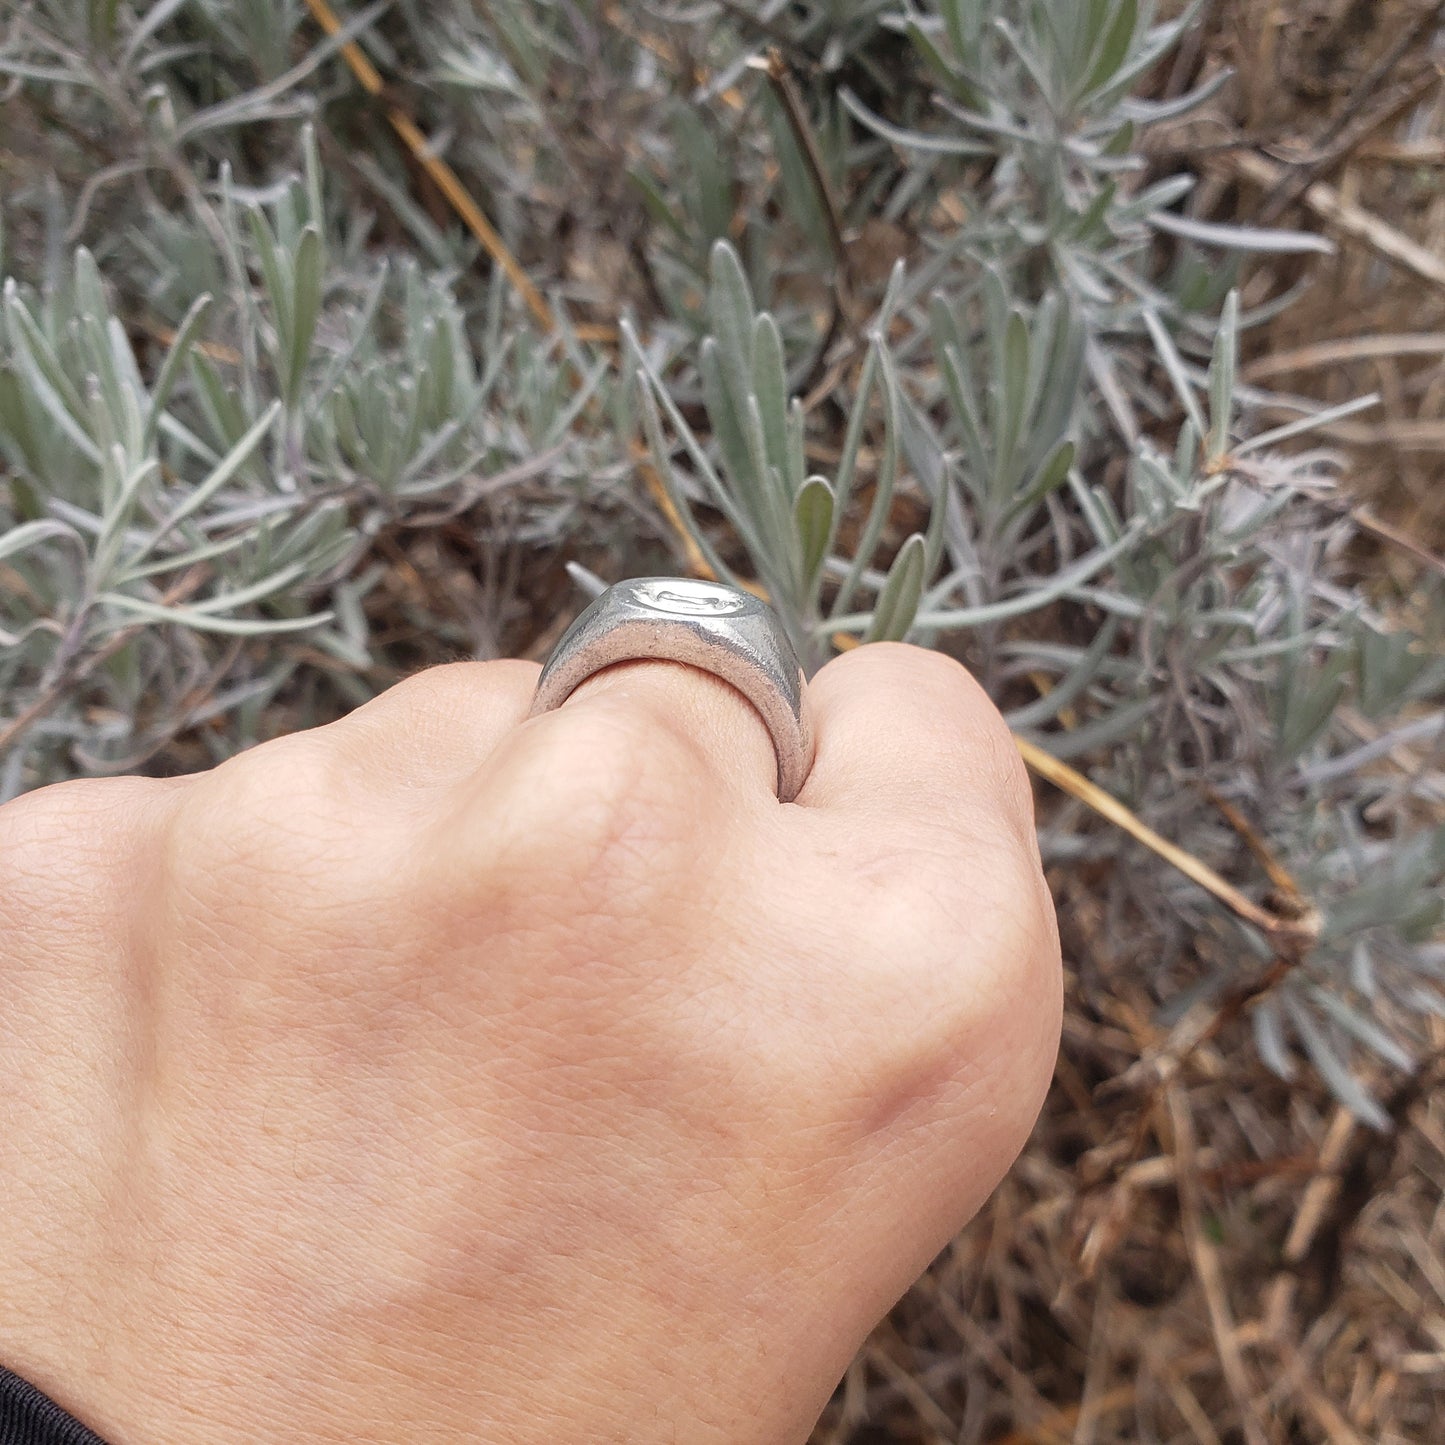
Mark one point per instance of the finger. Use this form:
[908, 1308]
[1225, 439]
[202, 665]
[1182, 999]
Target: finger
[439, 725]
[616, 794]
[905, 734]
[703, 726]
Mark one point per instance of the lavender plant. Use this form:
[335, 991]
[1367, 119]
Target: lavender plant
[154, 532]
[1195, 639]
[277, 349]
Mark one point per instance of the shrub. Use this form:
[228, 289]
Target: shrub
[912, 332]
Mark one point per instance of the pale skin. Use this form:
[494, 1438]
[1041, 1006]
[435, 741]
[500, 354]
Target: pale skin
[442, 1075]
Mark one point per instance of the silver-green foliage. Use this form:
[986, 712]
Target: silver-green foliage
[154, 530]
[1202, 635]
[786, 516]
[1149, 586]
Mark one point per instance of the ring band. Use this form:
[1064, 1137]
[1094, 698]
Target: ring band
[722, 630]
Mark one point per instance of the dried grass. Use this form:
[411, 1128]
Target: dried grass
[1333, 122]
[1192, 1268]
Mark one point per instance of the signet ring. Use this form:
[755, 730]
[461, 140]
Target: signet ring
[720, 629]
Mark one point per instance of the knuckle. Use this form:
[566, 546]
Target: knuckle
[621, 778]
[283, 872]
[434, 700]
[457, 684]
[72, 821]
[75, 858]
[270, 822]
[964, 706]
[926, 670]
[595, 806]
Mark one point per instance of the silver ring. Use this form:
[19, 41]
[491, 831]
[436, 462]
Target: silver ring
[722, 630]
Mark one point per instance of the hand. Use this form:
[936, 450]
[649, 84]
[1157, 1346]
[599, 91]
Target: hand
[440, 1075]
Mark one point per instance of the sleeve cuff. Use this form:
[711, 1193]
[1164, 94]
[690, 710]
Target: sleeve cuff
[28, 1417]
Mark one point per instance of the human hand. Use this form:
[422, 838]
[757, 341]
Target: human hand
[440, 1075]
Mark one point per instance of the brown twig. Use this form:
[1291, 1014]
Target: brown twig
[616, 16]
[1290, 931]
[1316, 1199]
[1344, 349]
[441, 174]
[1207, 1268]
[1276, 872]
[696, 562]
[1349, 129]
[1349, 219]
[81, 665]
[1393, 152]
[1380, 71]
[1384, 532]
[1363, 1168]
[780, 78]
[166, 335]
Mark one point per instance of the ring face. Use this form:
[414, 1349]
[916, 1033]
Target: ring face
[684, 597]
[722, 630]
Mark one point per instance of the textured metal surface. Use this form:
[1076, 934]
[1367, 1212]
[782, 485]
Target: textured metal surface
[719, 629]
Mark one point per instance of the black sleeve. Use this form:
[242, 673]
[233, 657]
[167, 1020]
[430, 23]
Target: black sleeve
[29, 1418]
